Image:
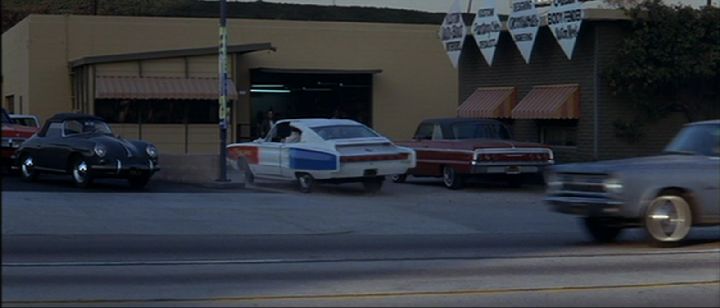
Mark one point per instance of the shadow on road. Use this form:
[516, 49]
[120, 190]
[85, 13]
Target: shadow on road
[63, 183]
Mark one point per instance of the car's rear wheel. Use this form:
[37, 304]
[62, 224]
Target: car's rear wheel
[81, 173]
[28, 172]
[451, 179]
[139, 181]
[373, 185]
[602, 230]
[668, 219]
[305, 182]
[399, 178]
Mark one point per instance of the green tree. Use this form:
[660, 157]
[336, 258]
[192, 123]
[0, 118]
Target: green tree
[670, 62]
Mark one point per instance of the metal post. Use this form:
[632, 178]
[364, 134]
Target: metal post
[222, 114]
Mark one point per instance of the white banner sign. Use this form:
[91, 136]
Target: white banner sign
[523, 24]
[486, 30]
[564, 20]
[453, 33]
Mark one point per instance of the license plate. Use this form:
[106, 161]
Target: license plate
[512, 170]
[135, 172]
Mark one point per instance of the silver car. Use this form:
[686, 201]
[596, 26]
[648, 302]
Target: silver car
[666, 194]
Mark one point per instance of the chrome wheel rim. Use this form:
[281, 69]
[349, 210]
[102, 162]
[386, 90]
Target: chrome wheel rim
[305, 182]
[80, 172]
[27, 167]
[448, 176]
[668, 219]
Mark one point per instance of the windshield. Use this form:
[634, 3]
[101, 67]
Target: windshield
[478, 130]
[344, 132]
[697, 139]
[87, 126]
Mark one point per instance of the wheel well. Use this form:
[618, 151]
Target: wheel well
[71, 159]
[685, 194]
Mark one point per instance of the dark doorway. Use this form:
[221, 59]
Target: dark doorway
[293, 94]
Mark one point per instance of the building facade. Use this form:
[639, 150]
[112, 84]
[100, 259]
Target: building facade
[564, 103]
[156, 78]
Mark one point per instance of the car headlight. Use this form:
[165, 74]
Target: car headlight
[613, 185]
[100, 150]
[151, 151]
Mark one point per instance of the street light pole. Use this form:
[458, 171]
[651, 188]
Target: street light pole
[222, 101]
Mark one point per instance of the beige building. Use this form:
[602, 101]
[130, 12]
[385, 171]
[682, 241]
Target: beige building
[156, 78]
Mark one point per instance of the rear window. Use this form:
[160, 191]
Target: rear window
[344, 132]
[475, 130]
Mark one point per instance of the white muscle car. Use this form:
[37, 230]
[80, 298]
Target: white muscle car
[323, 150]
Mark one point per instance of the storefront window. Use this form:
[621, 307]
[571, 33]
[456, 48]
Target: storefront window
[558, 132]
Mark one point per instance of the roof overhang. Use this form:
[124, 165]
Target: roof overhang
[129, 87]
[173, 53]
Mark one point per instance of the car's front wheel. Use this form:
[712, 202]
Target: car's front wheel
[668, 219]
[27, 168]
[249, 176]
[451, 178]
[81, 173]
[305, 182]
[602, 230]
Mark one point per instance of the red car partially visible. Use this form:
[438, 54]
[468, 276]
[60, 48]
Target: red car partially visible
[458, 148]
[13, 135]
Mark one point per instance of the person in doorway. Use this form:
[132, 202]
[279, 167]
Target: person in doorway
[267, 123]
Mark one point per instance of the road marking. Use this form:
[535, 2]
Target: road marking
[290, 261]
[480, 292]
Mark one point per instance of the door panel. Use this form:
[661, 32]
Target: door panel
[709, 192]
[269, 163]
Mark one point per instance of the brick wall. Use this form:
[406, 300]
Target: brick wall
[549, 65]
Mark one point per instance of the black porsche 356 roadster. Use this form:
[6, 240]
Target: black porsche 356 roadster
[84, 146]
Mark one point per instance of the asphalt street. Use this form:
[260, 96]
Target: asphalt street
[414, 244]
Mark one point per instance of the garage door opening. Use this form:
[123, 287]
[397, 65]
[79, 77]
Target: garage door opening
[293, 94]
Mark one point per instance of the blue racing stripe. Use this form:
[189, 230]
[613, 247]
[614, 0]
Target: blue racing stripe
[312, 160]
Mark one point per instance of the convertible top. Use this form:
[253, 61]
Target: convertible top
[73, 116]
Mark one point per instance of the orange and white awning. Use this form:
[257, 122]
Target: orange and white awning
[550, 102]
[496, 102]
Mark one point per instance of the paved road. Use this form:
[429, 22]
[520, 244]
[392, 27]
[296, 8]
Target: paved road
[415, 244]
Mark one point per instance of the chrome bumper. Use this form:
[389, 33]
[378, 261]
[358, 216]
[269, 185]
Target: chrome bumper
[120, 169]
[584, 206]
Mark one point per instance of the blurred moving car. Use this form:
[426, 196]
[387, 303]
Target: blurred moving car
[457, 148]
[26, 120]
[13, 135]
[666, 194]
[323, 150]
[83, 146]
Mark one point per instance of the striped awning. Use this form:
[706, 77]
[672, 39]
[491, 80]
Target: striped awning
[550, 102]
[496, 102]
[130, 87]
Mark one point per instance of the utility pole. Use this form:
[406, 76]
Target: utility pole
[222, 101]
